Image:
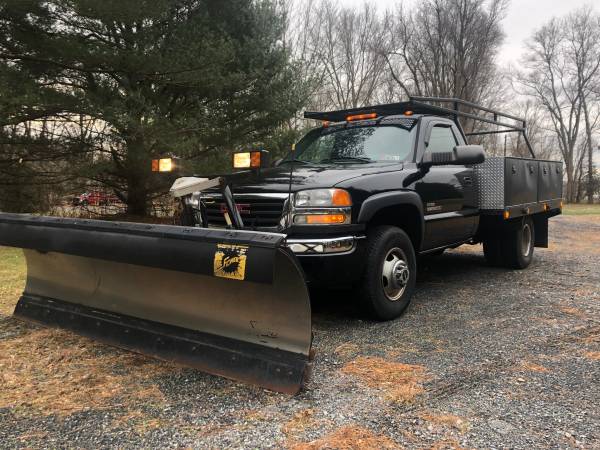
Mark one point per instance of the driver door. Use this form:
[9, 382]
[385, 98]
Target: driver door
[447, 192]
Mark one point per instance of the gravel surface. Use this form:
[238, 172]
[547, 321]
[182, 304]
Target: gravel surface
[483, 358]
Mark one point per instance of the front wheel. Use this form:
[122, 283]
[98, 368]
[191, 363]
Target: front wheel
[389, 279]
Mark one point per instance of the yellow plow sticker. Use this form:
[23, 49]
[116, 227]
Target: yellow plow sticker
[230, 261]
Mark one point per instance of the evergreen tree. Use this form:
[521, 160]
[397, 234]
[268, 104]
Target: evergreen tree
[192, 78]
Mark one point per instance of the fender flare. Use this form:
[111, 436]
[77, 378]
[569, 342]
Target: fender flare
[377, 202]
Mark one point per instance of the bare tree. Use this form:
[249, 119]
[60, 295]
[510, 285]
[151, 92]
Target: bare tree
[540, 137]
[302, 38]
[561, 70]
[446, 48]
[549, 80]
[582, 30]
[346, 47]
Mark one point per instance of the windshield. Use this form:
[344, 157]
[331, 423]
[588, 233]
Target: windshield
[355, 144]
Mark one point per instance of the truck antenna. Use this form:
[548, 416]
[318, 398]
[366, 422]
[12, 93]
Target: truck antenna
[289, 205]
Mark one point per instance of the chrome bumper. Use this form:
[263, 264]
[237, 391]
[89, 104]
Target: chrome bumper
[324, 246]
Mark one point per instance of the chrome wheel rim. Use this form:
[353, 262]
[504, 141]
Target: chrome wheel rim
[526, 240]
[395, 274]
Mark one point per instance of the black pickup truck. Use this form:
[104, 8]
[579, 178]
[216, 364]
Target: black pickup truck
[363, 196]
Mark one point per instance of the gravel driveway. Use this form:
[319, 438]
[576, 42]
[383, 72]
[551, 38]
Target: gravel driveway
[483, 358]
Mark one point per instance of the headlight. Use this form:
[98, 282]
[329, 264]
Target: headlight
[322, 207]
[316, 198]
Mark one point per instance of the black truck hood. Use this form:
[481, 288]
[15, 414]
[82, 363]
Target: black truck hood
[277, 179]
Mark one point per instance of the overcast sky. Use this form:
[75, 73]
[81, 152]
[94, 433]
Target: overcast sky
[523, 17]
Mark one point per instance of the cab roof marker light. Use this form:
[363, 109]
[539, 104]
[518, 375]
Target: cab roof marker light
[361, 117]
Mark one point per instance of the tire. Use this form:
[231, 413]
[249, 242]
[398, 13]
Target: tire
[84, 203]
[518, 245]
[389, 249]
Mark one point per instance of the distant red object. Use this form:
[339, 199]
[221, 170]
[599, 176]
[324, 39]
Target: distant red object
[95, 198]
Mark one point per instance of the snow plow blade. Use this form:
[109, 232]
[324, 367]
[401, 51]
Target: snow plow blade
[230, 303]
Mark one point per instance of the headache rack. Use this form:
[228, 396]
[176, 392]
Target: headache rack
[426, 105]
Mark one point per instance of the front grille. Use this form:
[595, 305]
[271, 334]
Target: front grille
[257, 211]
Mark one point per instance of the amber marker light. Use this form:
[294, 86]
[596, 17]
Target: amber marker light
[408, 113]
[361, 117]
[340, 197]
[506, 215]
[255, 160]
[162, 165]
[314, 219]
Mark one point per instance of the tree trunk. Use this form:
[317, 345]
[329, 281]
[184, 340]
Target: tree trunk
[590, 185]
[579, 193]
[588, 132]
[137, 199]
[570, 182]
[138, 167]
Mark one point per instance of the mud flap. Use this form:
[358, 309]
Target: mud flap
[231, 303]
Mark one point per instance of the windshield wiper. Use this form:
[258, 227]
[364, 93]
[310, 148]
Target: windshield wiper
[361, 159]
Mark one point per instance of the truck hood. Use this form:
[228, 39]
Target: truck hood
[277, 179]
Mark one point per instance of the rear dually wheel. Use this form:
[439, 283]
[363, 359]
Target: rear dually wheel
[513, 247]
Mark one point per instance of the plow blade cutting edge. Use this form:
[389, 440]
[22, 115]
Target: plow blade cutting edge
[231, 303]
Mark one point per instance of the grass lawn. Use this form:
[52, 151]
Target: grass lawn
[581, 209]
[12, 278]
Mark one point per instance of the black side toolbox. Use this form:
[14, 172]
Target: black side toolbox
[518, 185]
[550, 180]
[520, 181]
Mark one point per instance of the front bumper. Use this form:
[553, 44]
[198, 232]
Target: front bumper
[330, 262]
[323, 246]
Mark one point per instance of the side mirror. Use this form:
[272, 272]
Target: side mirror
[469, 154]
[460, 155]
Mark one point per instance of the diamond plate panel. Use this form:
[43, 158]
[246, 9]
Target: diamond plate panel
[489, 182]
